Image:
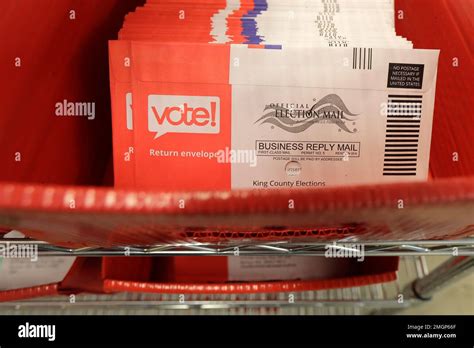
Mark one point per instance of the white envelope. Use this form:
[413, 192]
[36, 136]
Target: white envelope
[327, 117]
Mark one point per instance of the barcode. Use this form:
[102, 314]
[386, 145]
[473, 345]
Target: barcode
[362, 58]
[402, 134]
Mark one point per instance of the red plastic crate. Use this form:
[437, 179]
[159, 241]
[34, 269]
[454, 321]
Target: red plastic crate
[146, 275]
[72, 62]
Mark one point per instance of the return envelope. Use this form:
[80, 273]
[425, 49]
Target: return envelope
[362, 124]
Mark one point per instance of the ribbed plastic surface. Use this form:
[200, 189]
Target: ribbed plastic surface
[439, 209]
[245, 288]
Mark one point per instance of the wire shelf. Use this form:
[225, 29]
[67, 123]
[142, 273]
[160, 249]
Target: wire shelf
[357, 300]
[462, 247]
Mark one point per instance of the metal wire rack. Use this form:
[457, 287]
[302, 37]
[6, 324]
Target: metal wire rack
[414, 284]
[462, 247]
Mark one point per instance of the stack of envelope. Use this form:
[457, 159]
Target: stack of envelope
[300, 94]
